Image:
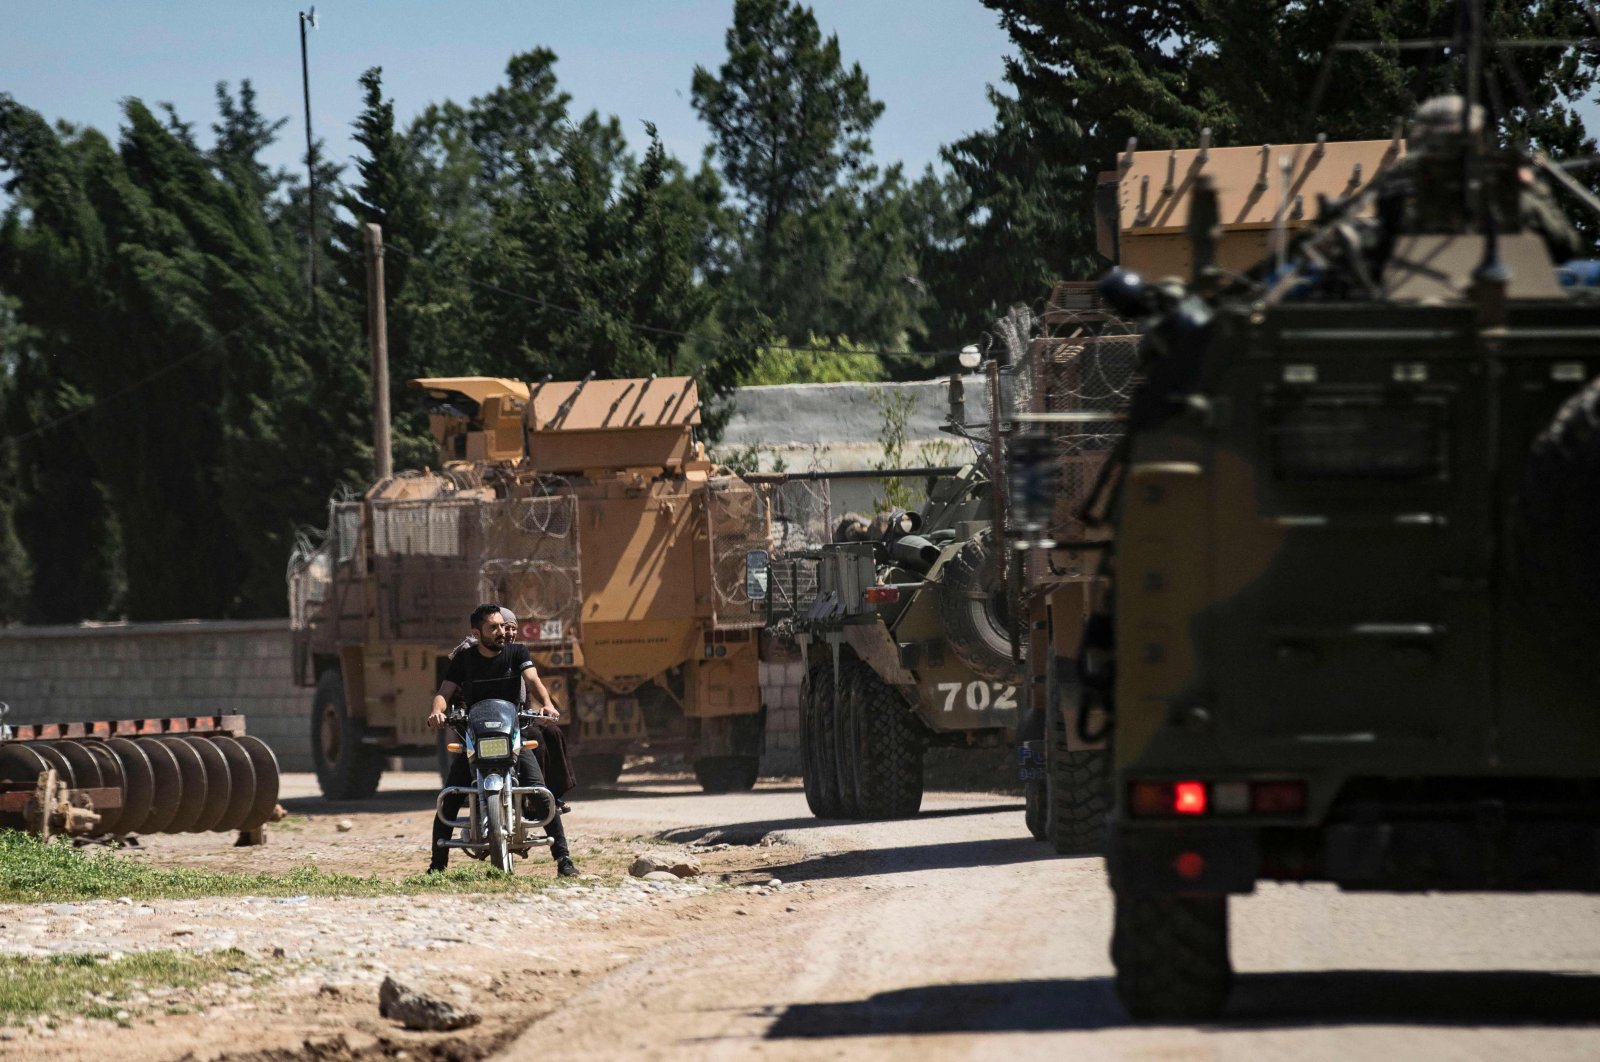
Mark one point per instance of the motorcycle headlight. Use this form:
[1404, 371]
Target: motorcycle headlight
[494, 748]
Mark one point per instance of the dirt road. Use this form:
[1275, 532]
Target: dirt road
[954, 936]
[949, 936]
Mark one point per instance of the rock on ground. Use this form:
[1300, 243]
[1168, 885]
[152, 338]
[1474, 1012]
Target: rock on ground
[417, 1010]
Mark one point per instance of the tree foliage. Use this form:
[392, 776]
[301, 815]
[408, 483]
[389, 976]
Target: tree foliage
[174, 403]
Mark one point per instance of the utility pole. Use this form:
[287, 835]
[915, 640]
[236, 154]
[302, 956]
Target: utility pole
[311, 161]
[378, 338]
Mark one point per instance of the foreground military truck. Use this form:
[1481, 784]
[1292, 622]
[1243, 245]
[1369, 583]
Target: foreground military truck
[588, 508]
[907, 645]
[1082, 372]
[1354, 608]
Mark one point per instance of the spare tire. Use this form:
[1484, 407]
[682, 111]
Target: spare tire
[976, 611]
[1555, 524]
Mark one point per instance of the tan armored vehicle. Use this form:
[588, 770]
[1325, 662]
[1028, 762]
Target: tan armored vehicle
[637, 568]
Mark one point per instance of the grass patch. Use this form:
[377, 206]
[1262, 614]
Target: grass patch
[31, 872]
[99, 986]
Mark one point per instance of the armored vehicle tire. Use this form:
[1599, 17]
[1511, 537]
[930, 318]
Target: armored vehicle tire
[818, 762]
[726, 774]
[1079, 788]
[1556, 521]
[597, 768]
[880, 748]
[346, 768]
[1036, 811]
[973, 609]
[1171, 955]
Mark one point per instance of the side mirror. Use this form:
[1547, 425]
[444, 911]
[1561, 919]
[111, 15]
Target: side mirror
[756, 563]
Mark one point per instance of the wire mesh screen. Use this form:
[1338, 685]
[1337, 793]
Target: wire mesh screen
[531, 564]
[1092, 377]
[802, 520]
[344, 530]
[426, 567]
[1080, 370]
[310, 576]
[740, 521]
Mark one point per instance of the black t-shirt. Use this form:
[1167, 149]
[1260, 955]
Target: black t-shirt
[480, 677]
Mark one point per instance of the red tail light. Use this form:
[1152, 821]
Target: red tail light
[1189, 798]
[882, 595]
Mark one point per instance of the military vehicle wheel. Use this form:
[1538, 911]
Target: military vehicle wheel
[1079, 788]
[818, 762]
[1035, 814]
[597, 768]
[880, 749]
[1171, 955]
[726, 774]
[975, 610]
[1556, 521]
[346, 768]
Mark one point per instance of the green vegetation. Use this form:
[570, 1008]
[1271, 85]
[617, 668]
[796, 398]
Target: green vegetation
[31, 872]
[102, 986]
[174, 403]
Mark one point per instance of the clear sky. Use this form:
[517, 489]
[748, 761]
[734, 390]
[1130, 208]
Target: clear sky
[928, 60]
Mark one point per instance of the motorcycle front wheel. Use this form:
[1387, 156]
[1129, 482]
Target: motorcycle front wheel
[499, 842]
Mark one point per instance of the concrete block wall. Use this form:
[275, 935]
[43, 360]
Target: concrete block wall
[781, 676]
[140, 670]
[241, 667]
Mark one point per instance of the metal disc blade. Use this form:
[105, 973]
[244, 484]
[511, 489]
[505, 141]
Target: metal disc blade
[110, 778]
[166, 795]
[52, 756]
[19, 763]
[266, 765]
[85, 768]
[195, 790]
[138, 783]
[218, 783]
[242, 791]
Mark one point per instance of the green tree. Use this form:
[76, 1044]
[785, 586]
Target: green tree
[1090, 74]
[821, 250]
[815, 361]
[167, 322]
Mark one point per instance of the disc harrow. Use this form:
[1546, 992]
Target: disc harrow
[183, 774]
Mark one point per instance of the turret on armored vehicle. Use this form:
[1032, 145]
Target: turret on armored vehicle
[588, 508]
[1352, 620]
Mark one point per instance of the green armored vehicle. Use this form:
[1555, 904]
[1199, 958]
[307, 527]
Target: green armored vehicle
[1353, 624]
[908, 644]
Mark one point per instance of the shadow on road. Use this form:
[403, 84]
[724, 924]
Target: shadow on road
[752, 832]
[905, 859]
[1260, 1001]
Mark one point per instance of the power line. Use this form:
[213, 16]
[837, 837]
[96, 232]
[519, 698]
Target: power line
[655, 329]
[177, 363]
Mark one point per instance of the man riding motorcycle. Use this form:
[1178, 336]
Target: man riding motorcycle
[552, 751]
[496, 669]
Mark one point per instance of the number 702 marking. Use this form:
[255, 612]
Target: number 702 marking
[980, 696]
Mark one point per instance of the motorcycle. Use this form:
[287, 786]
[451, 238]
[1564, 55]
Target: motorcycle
[492, 823]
